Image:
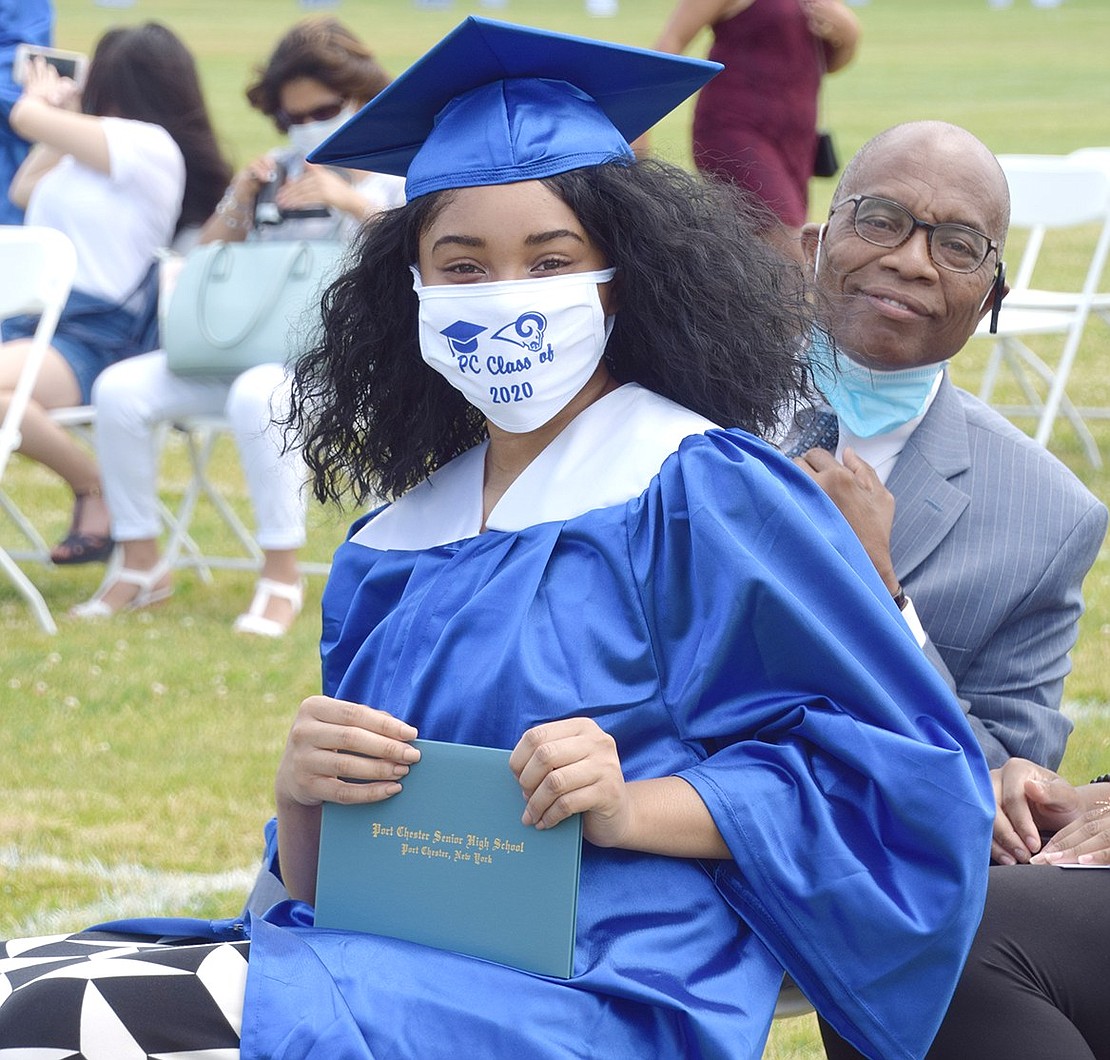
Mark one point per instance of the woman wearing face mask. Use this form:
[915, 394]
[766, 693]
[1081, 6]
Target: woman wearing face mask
[677, 637]
[317, 76]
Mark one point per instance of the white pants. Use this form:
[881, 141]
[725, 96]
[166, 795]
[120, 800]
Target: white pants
[135, 396]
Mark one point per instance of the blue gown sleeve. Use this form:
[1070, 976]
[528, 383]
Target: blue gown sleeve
[838, 767]
[348, 570]
[20, 20]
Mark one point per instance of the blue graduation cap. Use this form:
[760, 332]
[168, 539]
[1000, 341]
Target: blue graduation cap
[463, 336]
[496, 103]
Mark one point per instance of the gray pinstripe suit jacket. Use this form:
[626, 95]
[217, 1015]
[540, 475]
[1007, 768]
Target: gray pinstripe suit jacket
[992, 539]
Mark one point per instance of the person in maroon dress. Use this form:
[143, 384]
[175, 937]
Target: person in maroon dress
[755, 124]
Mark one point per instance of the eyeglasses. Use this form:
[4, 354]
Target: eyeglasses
[887, 224]
[285, 119]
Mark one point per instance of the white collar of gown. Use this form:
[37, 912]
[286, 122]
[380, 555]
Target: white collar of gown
[606, 455]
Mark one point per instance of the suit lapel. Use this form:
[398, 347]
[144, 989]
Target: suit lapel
[927, 497]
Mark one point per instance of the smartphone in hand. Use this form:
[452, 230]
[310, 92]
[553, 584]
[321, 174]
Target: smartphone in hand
[68, 64]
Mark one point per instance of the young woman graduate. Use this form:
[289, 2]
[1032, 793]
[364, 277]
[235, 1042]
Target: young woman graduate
[551, 357]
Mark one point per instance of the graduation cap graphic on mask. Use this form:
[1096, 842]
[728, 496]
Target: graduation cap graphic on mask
[496, 103]
[463, 336]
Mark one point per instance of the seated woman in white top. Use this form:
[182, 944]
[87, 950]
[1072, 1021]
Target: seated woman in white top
[318, 74]
[118, 167]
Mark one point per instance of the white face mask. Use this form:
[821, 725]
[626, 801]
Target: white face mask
[309, 136]
[517, 350]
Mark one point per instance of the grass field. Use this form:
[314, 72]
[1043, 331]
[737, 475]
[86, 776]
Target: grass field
[137, 755]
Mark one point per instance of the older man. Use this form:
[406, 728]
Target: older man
[982, 536]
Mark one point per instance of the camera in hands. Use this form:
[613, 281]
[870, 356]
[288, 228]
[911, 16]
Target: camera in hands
[266, 209]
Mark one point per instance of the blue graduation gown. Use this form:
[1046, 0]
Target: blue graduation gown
[701, 599]
[724, 625]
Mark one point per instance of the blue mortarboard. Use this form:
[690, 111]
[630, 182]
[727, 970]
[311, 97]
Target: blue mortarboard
[495, 103]
[463, 335]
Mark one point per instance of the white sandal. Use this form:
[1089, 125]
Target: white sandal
[147, 592]
[254, 620]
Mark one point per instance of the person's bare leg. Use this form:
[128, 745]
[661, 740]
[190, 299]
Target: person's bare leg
[45, 442]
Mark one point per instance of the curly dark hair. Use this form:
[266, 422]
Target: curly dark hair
[324, 50]
[710, 316]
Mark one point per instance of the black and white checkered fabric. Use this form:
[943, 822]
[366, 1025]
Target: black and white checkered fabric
[96, 996]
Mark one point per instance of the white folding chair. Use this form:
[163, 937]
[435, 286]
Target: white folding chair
[201, 435]
[37, 266]
[1035, 298]
[1099, 156]
[1048, 193]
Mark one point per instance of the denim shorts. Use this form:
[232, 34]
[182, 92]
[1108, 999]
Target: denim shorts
[92, 333]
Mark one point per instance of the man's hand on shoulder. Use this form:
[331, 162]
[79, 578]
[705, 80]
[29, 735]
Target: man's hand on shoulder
[854, 487]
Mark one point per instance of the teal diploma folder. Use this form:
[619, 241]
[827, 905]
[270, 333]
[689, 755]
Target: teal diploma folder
[447, 863]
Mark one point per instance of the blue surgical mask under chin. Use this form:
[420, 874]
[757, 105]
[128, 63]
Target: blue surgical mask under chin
[868, 401]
